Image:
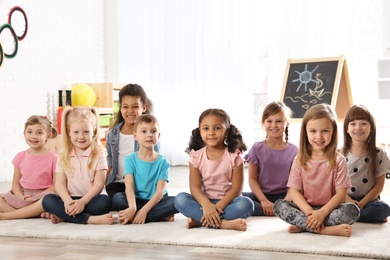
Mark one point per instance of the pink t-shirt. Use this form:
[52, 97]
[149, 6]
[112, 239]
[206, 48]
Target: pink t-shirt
[317, 184]
[79, 181]
[36, 171]
[216, 174]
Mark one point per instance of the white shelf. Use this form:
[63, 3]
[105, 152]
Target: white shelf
[384, 78]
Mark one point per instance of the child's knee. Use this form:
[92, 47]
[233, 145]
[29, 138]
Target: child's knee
[352, 212]
[180, 200]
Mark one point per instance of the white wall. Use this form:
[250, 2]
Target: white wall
[64, 45]
[194, 54]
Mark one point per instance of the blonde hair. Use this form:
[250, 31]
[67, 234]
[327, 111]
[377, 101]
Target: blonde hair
[77, 114]
[44, 121]
[318, 111]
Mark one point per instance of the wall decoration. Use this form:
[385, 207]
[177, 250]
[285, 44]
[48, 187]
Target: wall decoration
[12, 32]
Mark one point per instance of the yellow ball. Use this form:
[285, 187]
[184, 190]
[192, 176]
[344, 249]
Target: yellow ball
[83, 95]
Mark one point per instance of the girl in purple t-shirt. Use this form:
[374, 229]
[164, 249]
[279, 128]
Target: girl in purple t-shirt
[318, 180]
[270, 160]
[33, 172]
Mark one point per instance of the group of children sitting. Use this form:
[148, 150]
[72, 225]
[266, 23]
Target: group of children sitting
[315, 187]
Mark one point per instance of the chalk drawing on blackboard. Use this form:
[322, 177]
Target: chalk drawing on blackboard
[311, 95]
[311, 81]
[305, 77]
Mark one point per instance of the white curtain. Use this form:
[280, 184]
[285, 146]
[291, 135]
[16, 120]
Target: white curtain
[191, 55]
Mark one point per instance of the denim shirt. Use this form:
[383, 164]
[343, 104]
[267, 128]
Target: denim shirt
[112, 146]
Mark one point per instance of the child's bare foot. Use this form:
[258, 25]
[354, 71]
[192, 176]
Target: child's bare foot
[294, 229]
[192, 223]
[343, 230]
[55, 220]
[170, 218]
[45, 215]
[101, 219]
[235, 224]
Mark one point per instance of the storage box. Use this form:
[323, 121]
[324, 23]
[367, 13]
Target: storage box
[105, 120]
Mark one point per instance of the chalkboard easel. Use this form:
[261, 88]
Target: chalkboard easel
[313, 81]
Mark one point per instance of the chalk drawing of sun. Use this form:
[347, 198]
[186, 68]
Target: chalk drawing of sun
[305, 77]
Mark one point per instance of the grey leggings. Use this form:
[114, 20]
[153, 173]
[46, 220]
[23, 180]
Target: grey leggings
[345, 213]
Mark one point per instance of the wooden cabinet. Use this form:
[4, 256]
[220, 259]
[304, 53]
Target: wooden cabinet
[106, 100]
[106, 96]
[384, 78]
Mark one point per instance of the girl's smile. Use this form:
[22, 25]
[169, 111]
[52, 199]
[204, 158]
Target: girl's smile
[275, 124]
[359, 130]
[131, 108]
[212, 130]
[319, 133]
[81, 134]
[36, 136]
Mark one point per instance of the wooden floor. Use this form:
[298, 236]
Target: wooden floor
[41, 249]
[34, 249]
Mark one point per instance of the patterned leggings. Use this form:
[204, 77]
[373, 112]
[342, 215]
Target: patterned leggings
[345, 213]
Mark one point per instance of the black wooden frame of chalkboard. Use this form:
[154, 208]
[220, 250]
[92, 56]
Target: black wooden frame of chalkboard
[313, 81]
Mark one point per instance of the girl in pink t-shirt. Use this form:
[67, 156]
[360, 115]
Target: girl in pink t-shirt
[33, 172]
[318, 180]
[80, 173]
[216, 175]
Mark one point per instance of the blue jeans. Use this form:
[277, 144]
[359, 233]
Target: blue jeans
[375, 211]
[345, 213]
[159, 212]
[99, 205]
[240, 207]
[258, 208]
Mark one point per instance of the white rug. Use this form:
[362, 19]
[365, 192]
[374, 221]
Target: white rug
[264, 233]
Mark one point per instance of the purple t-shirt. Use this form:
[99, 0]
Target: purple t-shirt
[274, 166]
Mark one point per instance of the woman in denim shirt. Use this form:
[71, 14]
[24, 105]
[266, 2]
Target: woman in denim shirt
[120, 141]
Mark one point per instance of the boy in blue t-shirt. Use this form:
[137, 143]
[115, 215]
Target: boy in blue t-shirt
[146, 175]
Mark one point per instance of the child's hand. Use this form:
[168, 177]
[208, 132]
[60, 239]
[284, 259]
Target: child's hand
[68, 206]
[126, 216]
[268, 208]
[315, 219]
[23, 197]
[211, 216]
[75, 208]
[359, 204]
[140, 217]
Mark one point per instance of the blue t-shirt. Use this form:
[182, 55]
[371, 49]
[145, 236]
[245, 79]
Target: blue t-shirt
[146, 174]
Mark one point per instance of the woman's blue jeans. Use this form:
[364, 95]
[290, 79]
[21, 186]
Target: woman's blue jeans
[99, 205]
[240, 207]
[165, 208]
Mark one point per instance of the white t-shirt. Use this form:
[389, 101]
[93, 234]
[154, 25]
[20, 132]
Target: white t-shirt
[126, 147]
[362, 178]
